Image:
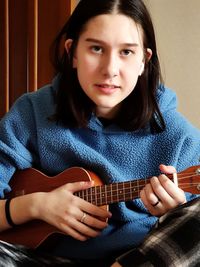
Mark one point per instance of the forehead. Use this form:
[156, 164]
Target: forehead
[113, 28]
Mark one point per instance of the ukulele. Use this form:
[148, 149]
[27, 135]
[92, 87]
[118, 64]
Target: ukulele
[32, 234]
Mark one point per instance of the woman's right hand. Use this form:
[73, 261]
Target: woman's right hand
[71, 214]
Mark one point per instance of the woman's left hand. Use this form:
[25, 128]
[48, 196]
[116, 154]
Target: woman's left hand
[161, 194]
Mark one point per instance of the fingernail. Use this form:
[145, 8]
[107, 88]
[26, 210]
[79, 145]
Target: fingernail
[87, 183]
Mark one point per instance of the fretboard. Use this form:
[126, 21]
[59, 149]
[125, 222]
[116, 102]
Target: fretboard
[112, 193]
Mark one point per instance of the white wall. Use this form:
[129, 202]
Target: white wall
[177, 25]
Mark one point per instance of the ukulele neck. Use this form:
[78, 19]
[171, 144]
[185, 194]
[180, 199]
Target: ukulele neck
[112, 193]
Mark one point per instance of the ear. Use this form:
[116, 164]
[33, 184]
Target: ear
[141, 69]
[148, 54]
[68, 44]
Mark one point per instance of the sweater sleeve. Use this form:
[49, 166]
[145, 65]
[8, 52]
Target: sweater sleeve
[185, 139]
[183, 136]
[190, 152]
[16, 141]
[181, 139]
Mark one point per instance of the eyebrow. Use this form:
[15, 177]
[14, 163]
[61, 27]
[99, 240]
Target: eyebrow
[92, 40]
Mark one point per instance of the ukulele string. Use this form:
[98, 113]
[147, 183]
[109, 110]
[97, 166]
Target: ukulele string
[139, 184]
[115, 197]
[126, 191]
[192, 174]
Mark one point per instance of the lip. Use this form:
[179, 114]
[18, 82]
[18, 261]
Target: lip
[107, 88]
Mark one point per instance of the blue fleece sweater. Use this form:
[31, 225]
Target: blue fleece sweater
[28, 138]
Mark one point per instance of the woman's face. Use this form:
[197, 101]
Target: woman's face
[109, 58]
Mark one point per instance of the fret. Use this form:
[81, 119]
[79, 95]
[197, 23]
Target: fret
[123, 189]
[115, 193]
[131, 191]
[105, 191]
[90, 192]
[138, 186]
[86, 196]
[89, 195]
[108, 193]
[100, 194]
[82, 194]
[126, 190]
[103, 195]
[120, 193]
[117, 189]
[96, 195]
[93, 195]
[111, 193]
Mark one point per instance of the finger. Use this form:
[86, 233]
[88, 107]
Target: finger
[66, 225]
[144, 198]
[160, 191]
[80, 229]
[86, 230]
[150, 195]
[81, 206]
[86, 205]
[78, 186]
[70, 223]
[153, 210]
[167, 169]
[92, 221]
[176, 193]
[94, 210]
[72, 232]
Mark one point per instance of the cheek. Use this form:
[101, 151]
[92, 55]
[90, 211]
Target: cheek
[85, 72]
[133, 67]
[86, 66]
[130, 78]
[131, 75]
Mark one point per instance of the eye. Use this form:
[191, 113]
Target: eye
[97, 49]
[127, 52]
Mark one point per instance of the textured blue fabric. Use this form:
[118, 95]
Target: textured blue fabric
[29, 139]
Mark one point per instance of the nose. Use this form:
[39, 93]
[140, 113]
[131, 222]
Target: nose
[110, 66]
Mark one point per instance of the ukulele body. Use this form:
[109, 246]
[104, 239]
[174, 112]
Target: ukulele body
[32, 234]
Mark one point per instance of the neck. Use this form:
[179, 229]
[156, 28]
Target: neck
[107, 113]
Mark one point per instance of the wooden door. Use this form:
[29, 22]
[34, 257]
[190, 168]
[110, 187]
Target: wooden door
[27, 29]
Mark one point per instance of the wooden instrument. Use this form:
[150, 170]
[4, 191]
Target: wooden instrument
[34, 233]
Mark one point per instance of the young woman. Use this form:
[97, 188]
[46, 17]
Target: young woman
[106, 111]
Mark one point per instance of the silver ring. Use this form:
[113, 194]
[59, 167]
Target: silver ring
[83, 217]
[154, 205]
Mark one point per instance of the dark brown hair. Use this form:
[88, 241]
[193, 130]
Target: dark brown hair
[140, 108]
